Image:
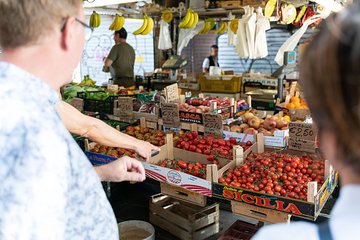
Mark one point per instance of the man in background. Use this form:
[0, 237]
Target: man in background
[120, 61]
[211, 60]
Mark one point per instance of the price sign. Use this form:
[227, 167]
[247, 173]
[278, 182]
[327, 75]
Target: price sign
[305, 131]
[78, 103]
[124, 108]
[170, 115]
[172, 93]
[213, 125]
[302, 145]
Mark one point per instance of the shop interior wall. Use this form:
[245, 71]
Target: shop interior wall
[229, 60]
[199, 48]
[101, 41]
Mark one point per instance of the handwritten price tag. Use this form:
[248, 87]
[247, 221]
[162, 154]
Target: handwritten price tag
[305, 131]
[213, 125]
[124, 108]
[172, 93]
[170, 115]
[302, 145]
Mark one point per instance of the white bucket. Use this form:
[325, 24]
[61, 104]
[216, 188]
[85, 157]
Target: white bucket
[136, 230]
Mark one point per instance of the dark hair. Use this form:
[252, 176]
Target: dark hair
[330, 76]
[214, 46]
[122, 33]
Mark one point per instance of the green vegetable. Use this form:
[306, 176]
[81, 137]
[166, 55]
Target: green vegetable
[71, 92]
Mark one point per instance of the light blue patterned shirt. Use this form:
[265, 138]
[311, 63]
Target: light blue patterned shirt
[48, 188]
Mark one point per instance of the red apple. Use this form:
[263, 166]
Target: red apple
[269, 123]
[254, 122]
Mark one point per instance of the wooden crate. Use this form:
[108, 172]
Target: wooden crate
[309, 209]
[240, 230]
[183, 194]
[258, 213]
[184, 220]
[231, 4]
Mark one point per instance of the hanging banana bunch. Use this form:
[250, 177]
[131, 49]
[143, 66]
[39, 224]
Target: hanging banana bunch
[118, 23]
[234, 25]
[146, 27]
[206, 28]
[95, 20]
[190, 20]
[222, 29]
[167, 16]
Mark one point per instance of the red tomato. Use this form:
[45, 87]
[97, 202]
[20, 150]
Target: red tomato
[237, 173]
[182, 164]
[282, 191]
[233, 140]
[221, 180]
[190, 166]
[291, 195]
[192, 148]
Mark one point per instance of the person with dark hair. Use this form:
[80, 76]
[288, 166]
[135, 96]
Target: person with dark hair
[330, 76]
[211, 60]
[120, 61]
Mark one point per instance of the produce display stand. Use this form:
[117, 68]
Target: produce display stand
[266, 206]
[194, 189]
[184, 220]
[93, 105]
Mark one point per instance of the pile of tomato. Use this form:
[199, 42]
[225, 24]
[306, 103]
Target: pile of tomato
[112, 151]
[214, 147]
[196, 169]
[277, 173]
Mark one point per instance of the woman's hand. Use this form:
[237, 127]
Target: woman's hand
[144, 149]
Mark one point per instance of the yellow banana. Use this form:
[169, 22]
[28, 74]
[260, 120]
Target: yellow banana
[143, 26]
[195, 20]
[95, 20]
[98, 20]
[206, 28]
[191, 21]
[221, 29]
[119, 22]
[112, 26]
[186, 19]
[92, 20]
[167, 16]
[149, 26]
[224, 30]
[234, 25]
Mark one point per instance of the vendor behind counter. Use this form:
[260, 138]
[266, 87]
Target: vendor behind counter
[120, 61]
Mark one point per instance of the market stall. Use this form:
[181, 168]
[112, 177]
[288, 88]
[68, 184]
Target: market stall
[241, 139]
